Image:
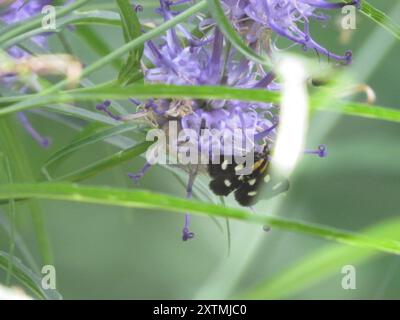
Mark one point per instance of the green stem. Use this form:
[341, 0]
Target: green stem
[380, 18]
[21, 171]
[11, 248]
[139, 91]
[36, 22]
[124, 49]
[96, 43]
[64, 42]
[150, 200]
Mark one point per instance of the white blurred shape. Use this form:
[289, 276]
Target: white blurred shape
[13, 294]
[293, 120]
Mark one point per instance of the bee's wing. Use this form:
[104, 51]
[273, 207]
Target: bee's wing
[263, 188]
[273, 186]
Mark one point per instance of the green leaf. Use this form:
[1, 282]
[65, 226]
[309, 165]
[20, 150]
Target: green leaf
[380, 18]
[81, 113]
[96, 43]
[20, 244]
[363, 110]
[184, 92]
[230, 33]
[80, 19]
[131, 71]
[150, 200]
[138, 91]
[27, 278]
[103, 164]
[19, 28]
[22, 171]
[79, 144]
[9, 179]
[90, 18]
[318, 265]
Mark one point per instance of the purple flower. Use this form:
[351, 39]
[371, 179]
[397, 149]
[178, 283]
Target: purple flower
[20, 10]
[287, 18]
[206, 65]
[203, 62]
[191, 61]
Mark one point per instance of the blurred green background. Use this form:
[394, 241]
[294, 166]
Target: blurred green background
[116, 253]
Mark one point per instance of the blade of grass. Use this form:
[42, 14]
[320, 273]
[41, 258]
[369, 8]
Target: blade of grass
[77, 125]
[197, 92]
[228, 235]
[21, 170]
[27, 278]
[132, 29]
[98, 45]
[19, 242]
[319, 265]
[11, 204]
[139, 92]
[149, 200]
[102, 165]
[19, 28]
[380, 18]
[363, 110]
[81, 113]
[88, 140]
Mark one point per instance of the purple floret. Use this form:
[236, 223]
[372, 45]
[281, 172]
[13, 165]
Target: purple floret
[287, 18]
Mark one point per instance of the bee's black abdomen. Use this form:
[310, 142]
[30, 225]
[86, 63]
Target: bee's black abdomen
[225, 179]
[247, 194]
[222, 187]
[223, 168]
